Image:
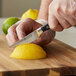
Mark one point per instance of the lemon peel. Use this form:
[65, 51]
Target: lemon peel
[28, 51]
[31, 13]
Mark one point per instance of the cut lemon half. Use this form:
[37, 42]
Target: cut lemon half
[28, 51]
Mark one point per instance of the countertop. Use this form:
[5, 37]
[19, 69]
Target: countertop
[67, 36]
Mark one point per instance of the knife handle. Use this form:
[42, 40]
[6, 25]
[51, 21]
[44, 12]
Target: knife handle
[42, 29]
[45, 27]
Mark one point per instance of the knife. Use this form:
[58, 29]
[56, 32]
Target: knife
[32, 36]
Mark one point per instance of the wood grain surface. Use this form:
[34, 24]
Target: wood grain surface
[59, 55]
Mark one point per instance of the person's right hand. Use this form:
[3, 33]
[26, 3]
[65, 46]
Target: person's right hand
[24, 27]
[62, 14]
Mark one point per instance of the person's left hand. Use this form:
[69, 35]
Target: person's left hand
[23, 28]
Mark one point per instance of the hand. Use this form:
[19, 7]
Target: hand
[62, 14]
[24, 27]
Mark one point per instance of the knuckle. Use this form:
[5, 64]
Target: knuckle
[58, 10]
[7, 37]
[10, 29]
[18, 28]
[29, 19]
[64, 9]
[53, 27]
[57, 7]
[72, 12]
[52, 7]
[73, 23]
[18, 22]
[67, 26]
[56, 28]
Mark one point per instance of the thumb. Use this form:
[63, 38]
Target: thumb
[53, 23]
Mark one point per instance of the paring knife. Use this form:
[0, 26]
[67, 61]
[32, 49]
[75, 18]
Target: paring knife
[32, 36]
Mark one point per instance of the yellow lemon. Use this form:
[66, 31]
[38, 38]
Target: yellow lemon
[31, 13]
[28, 51]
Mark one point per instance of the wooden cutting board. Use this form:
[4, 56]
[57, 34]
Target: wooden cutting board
[58, 55]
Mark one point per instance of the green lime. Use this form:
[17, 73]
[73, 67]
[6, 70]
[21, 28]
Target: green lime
[8, 23]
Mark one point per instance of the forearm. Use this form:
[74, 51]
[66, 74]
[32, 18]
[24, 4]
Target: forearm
[43, 12]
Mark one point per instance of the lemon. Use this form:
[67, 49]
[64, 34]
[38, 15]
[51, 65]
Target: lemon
[8, 23]
[28, 51]
[31, 13]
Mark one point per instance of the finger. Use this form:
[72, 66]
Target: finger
[72, 9]
[12, 33]
[42, 40]
[45, 38]
[73, 16]
[53, 23]
[24, 28]
[63, 22]
[10, 42]
[20, 31]
[38, 41]
[66, 15]
[12, 36]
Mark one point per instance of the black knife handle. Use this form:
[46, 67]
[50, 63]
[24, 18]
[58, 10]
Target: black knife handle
[45, 27]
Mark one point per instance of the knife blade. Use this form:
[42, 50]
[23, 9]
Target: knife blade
[32, 36]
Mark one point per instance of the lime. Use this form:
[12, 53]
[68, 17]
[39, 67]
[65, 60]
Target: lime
[8, 23]
[31, 13]
[28, 51]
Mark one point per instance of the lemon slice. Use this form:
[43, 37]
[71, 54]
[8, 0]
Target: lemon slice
[28, 51]
[31, 13]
